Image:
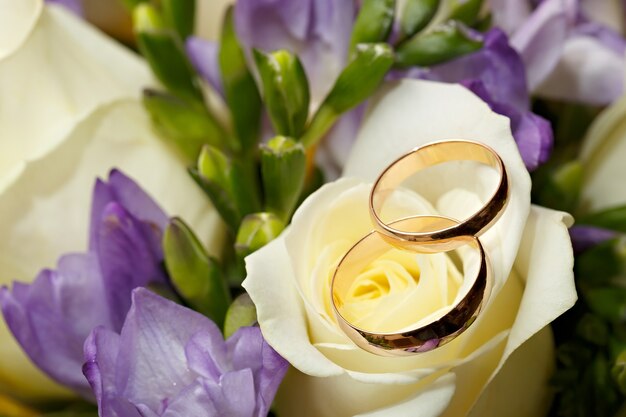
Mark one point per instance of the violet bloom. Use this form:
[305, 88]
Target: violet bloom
[318, 31]
[568, 55]
[586, 237]
[496, 74]
[171, 361]
[74, 6]
[51, 317]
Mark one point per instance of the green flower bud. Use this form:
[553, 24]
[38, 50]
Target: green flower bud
[416, 15]
[283, 169]
[443, 43]
[373, 24]
[241, 312]
[256, 231]
[165, 53]
[187, 126]
[194, 275]
[356, 83]
[240, 89]
[229, 183]
[465, 11]
[285, 91]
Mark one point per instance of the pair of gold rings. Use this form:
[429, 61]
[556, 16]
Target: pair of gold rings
[423, 234]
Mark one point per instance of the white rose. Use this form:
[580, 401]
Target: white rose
[603, 154]
[70, 111]
[502, 363]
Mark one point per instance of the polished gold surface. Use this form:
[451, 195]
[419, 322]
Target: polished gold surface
[440, 238]
[424, 338]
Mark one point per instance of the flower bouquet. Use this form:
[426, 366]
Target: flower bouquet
[312, 208]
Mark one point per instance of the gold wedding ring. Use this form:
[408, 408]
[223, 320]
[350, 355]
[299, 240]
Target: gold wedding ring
[417, 340]
[432, 154]
[422, 234]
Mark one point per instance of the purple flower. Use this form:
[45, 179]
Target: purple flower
[51, 317]
[171, 361]
[318, 31]
[74, 6]
[496, 74]
[567, 55]
[586, 237]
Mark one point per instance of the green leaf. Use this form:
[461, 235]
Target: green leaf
[465, 11]
[165, 53]
[416, 15]
[285, 91]
[193, 273]
[608, 303]
[256, 231]
[443, 43]
[241, 312]
[374, 22]
[283, 168]
[619, 372]
[560, 188]
[187, 126]
[180, 15]
[593, 329]
[356, 83]
[613, 219]
[240, 89]
[600, 264]
[131, 4]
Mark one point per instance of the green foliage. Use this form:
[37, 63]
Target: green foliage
[356, 83]
[374, 22]
[180, 15]
[187, 126]
[241, 312]
[416, 15]
[165, 53]
[443, 43]
[241, 92]
[256, 231]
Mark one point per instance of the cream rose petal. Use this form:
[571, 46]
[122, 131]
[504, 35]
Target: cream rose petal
[16, 21]
[78, 70]
[410, 113]
[603, 155]
[45, 212]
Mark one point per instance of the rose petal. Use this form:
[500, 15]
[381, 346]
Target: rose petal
[76, 82]
[412, 113]
[603, 154]
[16, 23]
[545, 262]
[530, 367]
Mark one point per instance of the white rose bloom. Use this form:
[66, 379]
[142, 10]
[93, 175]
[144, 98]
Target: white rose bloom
[603, 155]
[70, 111]
[501, 365]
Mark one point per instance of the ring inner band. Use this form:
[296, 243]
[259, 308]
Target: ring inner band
[421, 339]
[431, 155]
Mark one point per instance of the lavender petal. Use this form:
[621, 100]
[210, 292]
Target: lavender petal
[203, 55]
[586, 237]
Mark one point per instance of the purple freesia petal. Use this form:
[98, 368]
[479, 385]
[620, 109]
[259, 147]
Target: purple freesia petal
[52, 317]
[203, 55]
[74, 6]
[532, 133]
[157, 366]
[318, 31]
[541, 39]
[586, 237]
